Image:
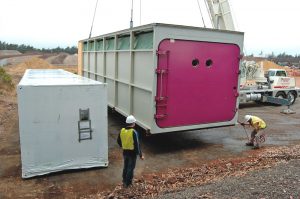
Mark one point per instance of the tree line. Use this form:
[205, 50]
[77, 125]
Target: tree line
[282, 58]
[27, 48]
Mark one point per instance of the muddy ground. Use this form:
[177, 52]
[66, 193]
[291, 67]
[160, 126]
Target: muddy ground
[163, 152]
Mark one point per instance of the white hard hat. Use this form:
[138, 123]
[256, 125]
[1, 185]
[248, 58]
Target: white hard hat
[247, 118]
[130, 119]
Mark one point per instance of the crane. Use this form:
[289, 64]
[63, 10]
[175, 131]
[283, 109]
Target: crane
[220, 14]
[280, 89]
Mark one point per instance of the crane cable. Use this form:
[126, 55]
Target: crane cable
[131, 15]
[236, 24]
[209, 13]
[140, 12]
[201, 13]
[93, 19]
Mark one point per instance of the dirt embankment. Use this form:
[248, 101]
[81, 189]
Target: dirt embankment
[57, 59]
[63, 59]
[5, 53]
[35, 63]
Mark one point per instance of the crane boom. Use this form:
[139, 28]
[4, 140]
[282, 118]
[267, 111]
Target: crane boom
[220, 13]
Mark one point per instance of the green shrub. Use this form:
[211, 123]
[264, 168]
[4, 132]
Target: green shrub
[5, 78]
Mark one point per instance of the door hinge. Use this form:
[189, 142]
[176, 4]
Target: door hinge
[162, 52]
[160, 116]
[161, 105]
[160, 99]
[161, 71]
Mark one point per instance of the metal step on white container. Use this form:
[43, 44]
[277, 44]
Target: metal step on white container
[62, 122]
[170, 77]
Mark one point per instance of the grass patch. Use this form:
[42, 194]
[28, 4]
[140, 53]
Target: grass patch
[6, 81]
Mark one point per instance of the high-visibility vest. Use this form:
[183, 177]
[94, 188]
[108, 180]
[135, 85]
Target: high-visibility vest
[261, 123]
[126, 136]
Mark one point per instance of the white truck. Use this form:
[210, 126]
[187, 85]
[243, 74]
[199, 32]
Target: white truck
[277, 88]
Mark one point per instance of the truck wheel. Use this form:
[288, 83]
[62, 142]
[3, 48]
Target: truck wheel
[291, 95]
[280, 95]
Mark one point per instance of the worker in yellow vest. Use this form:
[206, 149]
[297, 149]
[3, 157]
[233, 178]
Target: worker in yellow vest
[128, 139]
[257, 124]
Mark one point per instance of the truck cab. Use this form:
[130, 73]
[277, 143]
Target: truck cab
[279, 79]
[276, 72]
[278, 85]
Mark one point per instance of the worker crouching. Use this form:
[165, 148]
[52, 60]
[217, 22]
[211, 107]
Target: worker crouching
[257, 124]
[128, 139]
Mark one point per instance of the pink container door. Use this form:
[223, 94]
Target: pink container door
[196, 82]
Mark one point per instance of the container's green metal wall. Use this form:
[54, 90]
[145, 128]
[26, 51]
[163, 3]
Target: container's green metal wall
[141, 41]
[125, 62]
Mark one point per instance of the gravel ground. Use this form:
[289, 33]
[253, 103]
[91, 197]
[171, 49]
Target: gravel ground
[282, 181]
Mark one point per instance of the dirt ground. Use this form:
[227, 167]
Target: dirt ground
[257, 184]
[164, 153]
[58, 59]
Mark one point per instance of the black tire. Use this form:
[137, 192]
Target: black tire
[292, 95]
[280, 95]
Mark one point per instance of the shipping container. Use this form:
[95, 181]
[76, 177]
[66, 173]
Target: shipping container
[62, 122]
[170, 77]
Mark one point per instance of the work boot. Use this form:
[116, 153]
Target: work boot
[249, 144]
[127, 186]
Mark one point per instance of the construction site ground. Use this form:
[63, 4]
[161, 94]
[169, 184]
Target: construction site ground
[209, 163]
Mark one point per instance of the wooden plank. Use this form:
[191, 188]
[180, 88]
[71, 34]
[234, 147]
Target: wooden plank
[80, 60]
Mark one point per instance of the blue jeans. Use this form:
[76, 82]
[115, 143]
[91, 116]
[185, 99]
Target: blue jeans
[129, 165]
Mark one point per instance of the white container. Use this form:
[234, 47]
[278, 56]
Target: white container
[170, 77]
[49, 103]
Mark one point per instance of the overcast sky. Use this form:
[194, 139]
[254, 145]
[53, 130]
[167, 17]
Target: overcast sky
[269, 25]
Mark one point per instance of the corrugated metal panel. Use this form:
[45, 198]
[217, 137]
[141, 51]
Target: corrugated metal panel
[129, 61]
